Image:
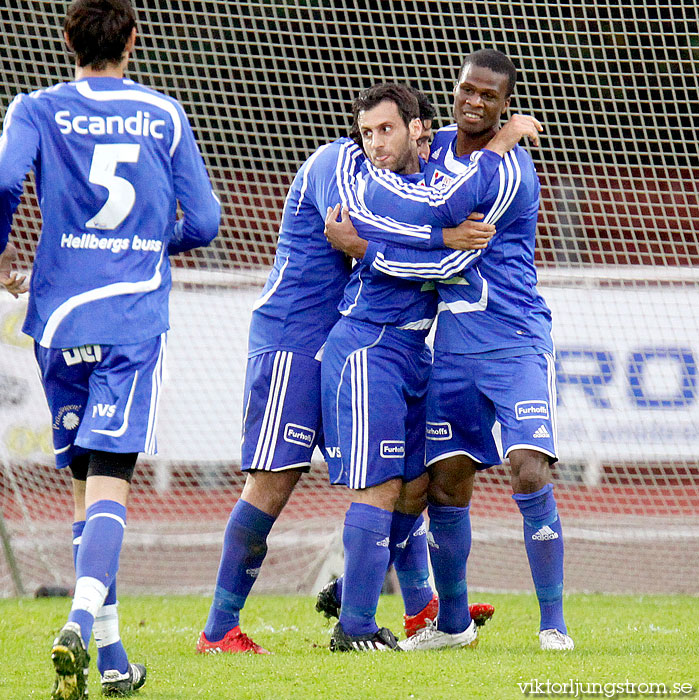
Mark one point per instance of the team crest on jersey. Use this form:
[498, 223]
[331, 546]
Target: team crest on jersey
[441, 180]
[299, 435]
[536, 410]
[393, 449]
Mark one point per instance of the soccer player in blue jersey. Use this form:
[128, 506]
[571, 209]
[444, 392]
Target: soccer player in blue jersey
[493, 353]
[112, 161]
[282, 418]
[374, 378]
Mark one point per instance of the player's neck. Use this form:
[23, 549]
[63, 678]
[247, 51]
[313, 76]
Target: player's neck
[468, 143]
[111, 70]
[412, 167]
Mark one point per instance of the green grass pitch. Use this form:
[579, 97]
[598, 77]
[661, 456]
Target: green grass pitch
[619, 639]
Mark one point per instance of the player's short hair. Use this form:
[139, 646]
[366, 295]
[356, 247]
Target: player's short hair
[400, 94]
[427, 109]
[98, 30]
[495, 61]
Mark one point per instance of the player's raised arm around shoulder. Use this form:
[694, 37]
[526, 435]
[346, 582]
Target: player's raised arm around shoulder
[419, 264]
[345, 191]
[392, 195]
[397, 261]
[200, 207]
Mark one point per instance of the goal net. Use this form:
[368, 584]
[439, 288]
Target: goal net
[264, 83]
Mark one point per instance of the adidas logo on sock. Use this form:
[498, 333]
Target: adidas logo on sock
[541, 432]
[430, 541]
[545, 534]
[384, 542]
[422, 530]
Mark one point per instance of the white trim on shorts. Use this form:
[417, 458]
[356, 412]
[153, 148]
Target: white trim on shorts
[151, 443]
[271, 421]
[360, 433]
[127, 412]
[535, 448]
[455, 453]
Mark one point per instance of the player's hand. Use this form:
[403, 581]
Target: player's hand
[517, 127]
[472, 234]
[341, 234]
[13, 281]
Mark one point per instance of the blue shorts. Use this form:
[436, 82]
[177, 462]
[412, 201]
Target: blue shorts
[282, 419]
[103, 397]
[467, 395]
[374, 385]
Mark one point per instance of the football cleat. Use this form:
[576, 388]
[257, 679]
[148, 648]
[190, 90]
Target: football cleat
[327, 601]
[121, 685]
[71, 661]
[429, 637]
[381, 640]
[553, 640]
[414, 623]
[234, 642]
[481, 613]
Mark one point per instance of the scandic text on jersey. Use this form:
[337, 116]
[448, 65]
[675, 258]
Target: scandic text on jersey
[138, 125]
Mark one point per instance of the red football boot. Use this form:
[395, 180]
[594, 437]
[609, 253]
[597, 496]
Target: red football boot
[234, 642]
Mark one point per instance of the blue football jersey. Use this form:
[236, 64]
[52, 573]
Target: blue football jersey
[375, 297]
[112, 160]
[488, 299]
[299, 303]
[383, 300]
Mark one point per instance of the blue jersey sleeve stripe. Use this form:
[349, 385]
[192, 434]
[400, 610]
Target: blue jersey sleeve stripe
[350, 187]
[510, 180]
[448, 267]
[137, 96]
[417, 193]
[110, 290]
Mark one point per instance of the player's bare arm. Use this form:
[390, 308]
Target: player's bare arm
[472, 234]
[517, 127]
[342, 235]
[13, 281]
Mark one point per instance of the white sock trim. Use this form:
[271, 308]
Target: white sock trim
[108, 515]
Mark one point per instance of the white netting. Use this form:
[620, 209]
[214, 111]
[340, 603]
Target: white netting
[264, 83]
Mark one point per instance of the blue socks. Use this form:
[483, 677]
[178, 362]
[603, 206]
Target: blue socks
[111, 655]
[366, 538]
[97, 562]
[450, 544]
[408, 553]
[244, 550]
[409, 549]
[543, 539]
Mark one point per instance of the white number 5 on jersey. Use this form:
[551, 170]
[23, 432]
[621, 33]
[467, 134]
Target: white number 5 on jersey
[122, 195]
